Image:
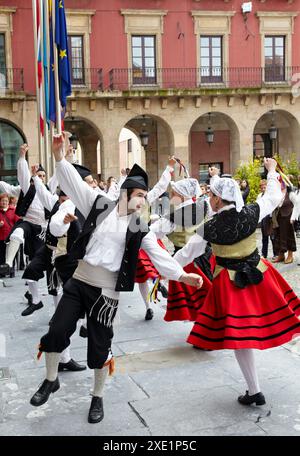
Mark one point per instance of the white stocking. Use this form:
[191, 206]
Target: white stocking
[52, 360]
[99, 380]
[246, 361]
[144, 289]
[34, 290]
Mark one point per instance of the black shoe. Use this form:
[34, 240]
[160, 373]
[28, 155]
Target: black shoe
[258, 398]
[96, 412]
[32, 308]
[71, 366]
[149, 314]
[43, 393]
[28, 296]
[5, 269]
[83, 332]
[163, 290]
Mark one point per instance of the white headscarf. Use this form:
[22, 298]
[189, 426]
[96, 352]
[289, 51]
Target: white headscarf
[228, 190]
[189, 187]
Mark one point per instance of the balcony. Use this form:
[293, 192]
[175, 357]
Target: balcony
[87, 79]
[195, 78]
[11, 80]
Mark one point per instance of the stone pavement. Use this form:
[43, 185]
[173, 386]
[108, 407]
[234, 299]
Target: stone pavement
[162, 386]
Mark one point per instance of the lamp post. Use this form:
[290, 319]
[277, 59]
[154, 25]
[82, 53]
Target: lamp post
[209, 132]
[74, 141]
[273, 133]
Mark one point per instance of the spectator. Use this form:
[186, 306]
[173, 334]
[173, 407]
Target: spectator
[7, 220]
[284, 234]
[204, 190]
[245, 189]
[102, 186]
[265, 224]
[13, 201]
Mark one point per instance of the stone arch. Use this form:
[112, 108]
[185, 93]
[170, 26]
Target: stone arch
[11, 137]
[288, 134]
[88, 135]
[160, 145]
[225, 148]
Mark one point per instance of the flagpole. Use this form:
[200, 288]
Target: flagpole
[45, 145]
[36, 78]
[57, 98]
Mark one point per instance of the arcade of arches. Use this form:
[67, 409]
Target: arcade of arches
[110, 140]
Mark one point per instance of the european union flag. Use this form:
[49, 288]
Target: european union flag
[61, 40]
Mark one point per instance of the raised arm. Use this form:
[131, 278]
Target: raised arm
[12, 190]
[46, 198]
[23, 170]
[272, 196]
[70, 181]
[163, 182]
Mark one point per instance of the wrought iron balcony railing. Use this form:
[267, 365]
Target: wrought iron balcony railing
[11, 80]
[87, 79]
[192, 78]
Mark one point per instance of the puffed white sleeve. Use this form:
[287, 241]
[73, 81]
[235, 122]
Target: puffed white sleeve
[12, 190]
[272, 196]
[162, 260]
[57, 226]
[23, 174]
[82, 195]
[194, 248]
[46, 198]
[161, 185]
[162, 227]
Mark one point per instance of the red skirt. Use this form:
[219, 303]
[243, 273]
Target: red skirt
[145, 269]
[259, 316]
[185, 301]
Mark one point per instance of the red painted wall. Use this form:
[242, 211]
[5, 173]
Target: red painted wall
[109, 41]
[219, 151]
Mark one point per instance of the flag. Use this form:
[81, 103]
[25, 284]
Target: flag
[39, 65]
[45, 58]
[52, 99]
[61, 40]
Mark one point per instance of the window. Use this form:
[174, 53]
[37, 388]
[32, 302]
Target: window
[143, 60]
[129, 145]
[203, 171]
[2, 61]
[274, 58]
[10, 141]
[211, 58]
[75, 44]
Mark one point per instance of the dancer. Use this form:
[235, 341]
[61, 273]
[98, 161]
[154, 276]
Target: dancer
[250, 305]
[107, 250]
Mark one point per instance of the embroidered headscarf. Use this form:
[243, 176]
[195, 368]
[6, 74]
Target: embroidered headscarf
[228, 190]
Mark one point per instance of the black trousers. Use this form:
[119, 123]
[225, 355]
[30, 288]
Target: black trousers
[79, 298]
[2, 252]
[42, 261]
[31, 236]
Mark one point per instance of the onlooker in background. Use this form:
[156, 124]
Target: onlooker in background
[265, 224]
[204, 190]
[13, 201]
[284, 234]
[102, 186]
[7, 220]
[295, 198]
[245, 189]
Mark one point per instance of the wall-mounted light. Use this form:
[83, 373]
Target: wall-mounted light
[209, 132]
[74, 141]
[273, 130]
[144, 135]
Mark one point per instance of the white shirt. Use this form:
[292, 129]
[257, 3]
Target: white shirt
[267, 203]
[12, 190]
[107, 243]
[57, 226]
[35, 213]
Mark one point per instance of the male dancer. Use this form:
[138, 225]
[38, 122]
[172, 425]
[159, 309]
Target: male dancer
[108, 251]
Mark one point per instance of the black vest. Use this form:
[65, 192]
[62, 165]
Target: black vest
[25, 201]
[73, 231]
[137, 229]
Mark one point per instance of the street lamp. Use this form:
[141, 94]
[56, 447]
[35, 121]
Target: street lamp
[144, 135]
[273, 132]
[74, 140]
[209, 132]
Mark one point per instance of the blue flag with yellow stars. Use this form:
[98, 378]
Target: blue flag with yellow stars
[61, 40]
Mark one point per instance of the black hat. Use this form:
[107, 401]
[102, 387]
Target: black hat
[40, 168]
[82, 170]
[137, 178]
[60, 192]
